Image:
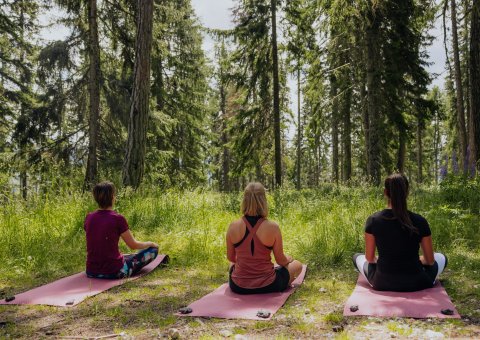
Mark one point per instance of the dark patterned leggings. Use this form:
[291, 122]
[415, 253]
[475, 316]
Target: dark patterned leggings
[131, 264]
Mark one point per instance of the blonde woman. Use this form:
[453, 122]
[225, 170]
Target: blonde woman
[250, 242]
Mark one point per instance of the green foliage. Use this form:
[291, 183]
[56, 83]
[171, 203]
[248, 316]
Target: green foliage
[43, 238]
[178, 139]
[461, 191]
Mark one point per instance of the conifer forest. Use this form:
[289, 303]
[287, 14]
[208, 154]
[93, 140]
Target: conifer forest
[182, 103]
[131, 94]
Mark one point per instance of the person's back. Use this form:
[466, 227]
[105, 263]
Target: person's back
[398, 235]
[398, 266]
[253, 266]
[103, 229]
[250, 242]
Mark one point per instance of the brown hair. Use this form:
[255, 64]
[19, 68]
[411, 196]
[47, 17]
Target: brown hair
[396, 189]
[103, 193]
[254, 200]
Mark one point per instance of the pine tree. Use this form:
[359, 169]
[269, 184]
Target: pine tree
[177, 149]
[94, 77]
[475, 86]
[462, 131]
[134, 165]
[18, 24]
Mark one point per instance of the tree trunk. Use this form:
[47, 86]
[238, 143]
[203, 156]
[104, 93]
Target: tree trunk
[436, 146]
[158, 87]
[373, 95]
[462, 133]
[347, 135]
[299, 132]
[319, 161]
[24, 183]
[402, 150]
[276, 97]
[94, 94]
[23, 151]
[317, 157]
[419, 152]
[334, 99]
[224, 139]
[475, 87]
[133, 168]
[365, 121]
[466, 68]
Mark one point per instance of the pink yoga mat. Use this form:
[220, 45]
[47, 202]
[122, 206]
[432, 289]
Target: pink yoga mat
[427, 303]
[223, 303]
[72, 290]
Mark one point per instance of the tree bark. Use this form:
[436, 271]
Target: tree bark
[402, 150]
[134, 165]
[334, 119]
[299, 132]
[347, 135]
[365, 121]
[24, 183]
[94, 94]
[373, 95]
[475, 87]
[419, 152]
[224, 139]
[436, 145]
[466, 67]
[462, 132]
[276, 98]
[23, 151]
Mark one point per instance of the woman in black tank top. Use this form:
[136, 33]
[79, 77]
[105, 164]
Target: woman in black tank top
[398, 235]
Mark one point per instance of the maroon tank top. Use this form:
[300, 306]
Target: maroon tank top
[253, 267]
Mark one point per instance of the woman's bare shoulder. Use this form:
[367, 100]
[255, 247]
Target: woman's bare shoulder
[271, 225]
[236, 224]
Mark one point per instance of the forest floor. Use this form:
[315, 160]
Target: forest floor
[145, 308]
[191, 230]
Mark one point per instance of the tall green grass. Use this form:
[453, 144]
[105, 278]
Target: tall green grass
[43, 238]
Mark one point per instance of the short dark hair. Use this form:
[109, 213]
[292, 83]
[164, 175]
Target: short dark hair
[103, 193]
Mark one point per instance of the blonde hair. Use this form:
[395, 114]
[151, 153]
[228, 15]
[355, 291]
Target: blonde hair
[254, 200]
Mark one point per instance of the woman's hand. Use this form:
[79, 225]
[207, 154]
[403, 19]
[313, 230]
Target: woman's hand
[152, 245]
[134, 244]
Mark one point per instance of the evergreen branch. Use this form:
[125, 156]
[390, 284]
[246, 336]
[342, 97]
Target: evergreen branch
[117, 6]
[37, 152]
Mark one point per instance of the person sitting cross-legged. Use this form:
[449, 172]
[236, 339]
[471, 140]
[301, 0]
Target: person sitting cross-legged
[250, 242]
[103, 229]
[398, 235]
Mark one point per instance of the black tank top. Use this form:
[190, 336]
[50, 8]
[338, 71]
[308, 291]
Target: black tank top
[252, 220]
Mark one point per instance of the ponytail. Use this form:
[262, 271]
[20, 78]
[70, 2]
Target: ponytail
[396, 188]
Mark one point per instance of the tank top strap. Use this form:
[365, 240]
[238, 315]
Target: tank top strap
[253, 229]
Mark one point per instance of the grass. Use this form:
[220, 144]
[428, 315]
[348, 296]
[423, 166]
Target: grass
[43, 239]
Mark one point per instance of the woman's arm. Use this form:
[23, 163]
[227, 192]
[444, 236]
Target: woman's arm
[134, 244]
[427, 250]
[280, 257]
[370, 248]
[231, 256]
